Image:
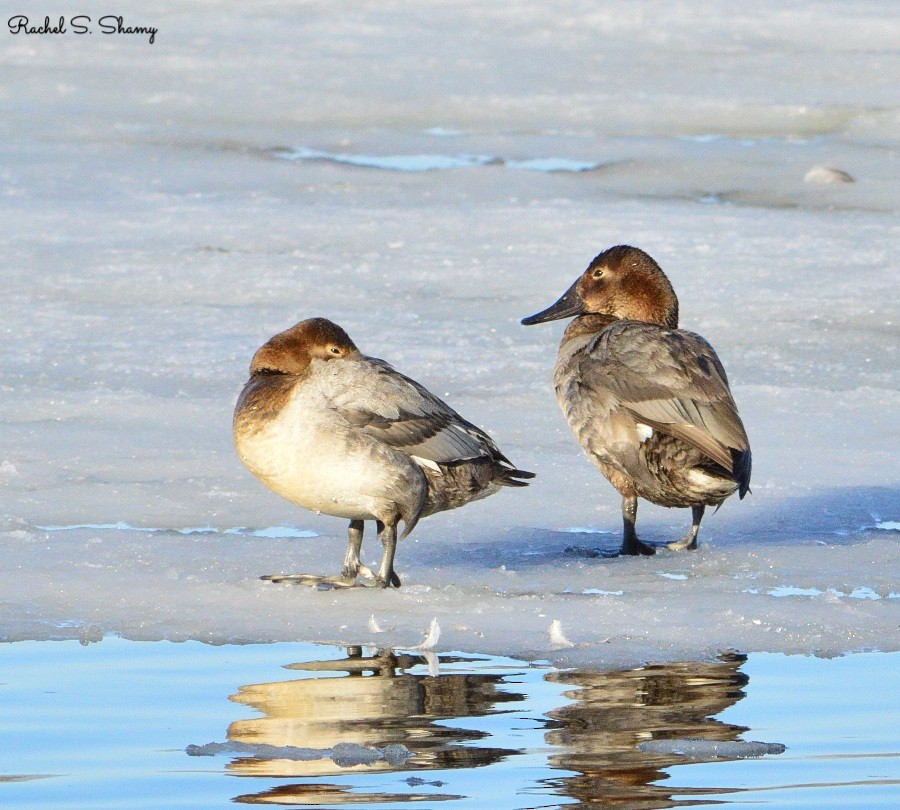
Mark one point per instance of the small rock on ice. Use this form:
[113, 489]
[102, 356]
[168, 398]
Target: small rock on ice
[824, 176]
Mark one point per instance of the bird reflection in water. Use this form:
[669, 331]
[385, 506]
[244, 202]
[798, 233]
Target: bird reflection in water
[614, 712]
[376, 703]
[610, 739]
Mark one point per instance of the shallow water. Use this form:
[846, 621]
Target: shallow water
[132, 724]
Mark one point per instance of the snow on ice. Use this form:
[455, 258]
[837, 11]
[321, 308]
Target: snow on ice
[154, 236]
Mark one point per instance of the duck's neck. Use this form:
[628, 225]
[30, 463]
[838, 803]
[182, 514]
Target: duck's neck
[591, 323]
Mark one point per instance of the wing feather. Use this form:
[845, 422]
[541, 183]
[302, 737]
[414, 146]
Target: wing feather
[401, 413]
[673, 381]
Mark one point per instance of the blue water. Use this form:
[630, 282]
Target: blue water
[435, 162]
[109, 725]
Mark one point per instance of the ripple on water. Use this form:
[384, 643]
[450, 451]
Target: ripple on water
[314, 725]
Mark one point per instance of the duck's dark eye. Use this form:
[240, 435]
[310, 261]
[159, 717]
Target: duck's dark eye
[335, 350]
[598, 273]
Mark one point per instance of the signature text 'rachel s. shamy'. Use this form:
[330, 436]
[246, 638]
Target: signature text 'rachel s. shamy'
[79, 25]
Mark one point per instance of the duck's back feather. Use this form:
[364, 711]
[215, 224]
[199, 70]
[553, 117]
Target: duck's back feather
[672, 381]
[404, 415]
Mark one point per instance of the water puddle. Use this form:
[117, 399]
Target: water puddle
[434, 162]
[124, 526]
[397, 163]
[863, 592]
[143, 724]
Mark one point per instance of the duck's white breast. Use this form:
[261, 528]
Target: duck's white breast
[310, 456]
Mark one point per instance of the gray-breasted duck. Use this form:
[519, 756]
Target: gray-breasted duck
[648, 402]
[337, 432]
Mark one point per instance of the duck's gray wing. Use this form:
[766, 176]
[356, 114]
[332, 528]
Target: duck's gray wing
[399, 412]
[671, 380]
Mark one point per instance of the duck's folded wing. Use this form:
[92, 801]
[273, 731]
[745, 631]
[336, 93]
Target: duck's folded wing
[672, 381]
[404, 415]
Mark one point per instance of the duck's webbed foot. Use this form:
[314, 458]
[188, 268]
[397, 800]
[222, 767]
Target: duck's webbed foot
[342, 580]
[347, 578]
[631, 543]
[689, 541]
[393, 581]
[634, 546]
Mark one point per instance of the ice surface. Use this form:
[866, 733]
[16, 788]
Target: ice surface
[344, 755]
[153, 240]
[712, 749]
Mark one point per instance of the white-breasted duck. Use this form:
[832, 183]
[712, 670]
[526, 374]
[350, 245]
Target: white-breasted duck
[649, 402]
[337, 432]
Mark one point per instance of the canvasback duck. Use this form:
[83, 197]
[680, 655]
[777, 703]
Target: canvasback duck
[648, 402]
[337, 432]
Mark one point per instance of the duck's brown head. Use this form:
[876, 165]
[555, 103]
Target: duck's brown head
[291, 351]
[621, 283]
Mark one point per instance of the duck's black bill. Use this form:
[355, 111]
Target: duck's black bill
[568, 306]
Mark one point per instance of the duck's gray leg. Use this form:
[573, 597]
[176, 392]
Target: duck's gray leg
[347, 577]
[630, 542]
[352, 565]
[689, 541]
[386, 575]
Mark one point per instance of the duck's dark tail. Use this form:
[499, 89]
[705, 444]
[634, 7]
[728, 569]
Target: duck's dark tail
[511, 477]
[741, 463]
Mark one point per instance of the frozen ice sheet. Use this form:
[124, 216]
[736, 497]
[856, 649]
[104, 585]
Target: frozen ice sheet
[345, 755]
[734, 593]
[710, 749]
[151, 243]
